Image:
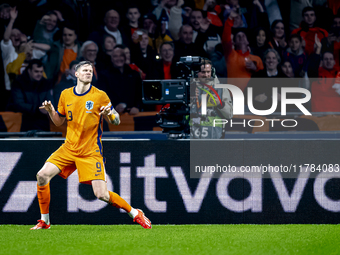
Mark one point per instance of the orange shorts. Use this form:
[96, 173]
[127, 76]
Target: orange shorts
[89, 167]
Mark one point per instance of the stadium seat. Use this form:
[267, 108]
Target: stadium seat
[326, 123]
[11, 120]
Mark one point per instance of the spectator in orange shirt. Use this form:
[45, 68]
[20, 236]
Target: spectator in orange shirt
[240, 63]
[307, 30]
[62, 53]
[210, 7]
[165, 67]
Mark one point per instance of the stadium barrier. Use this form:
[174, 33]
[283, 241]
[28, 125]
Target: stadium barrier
[155, 176]
[146, 121]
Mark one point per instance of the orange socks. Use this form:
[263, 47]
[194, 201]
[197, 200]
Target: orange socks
[117, 201]
[44, 198]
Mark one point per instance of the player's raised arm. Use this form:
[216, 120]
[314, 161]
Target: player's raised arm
[112, 115]
[57, 120]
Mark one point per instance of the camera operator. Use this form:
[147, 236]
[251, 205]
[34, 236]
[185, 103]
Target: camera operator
[219, 104]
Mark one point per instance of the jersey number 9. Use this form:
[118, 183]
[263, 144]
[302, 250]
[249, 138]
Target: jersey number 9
[70, 117]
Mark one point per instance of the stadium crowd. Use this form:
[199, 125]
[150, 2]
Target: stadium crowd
[127, 42]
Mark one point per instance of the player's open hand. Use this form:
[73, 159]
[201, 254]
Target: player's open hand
[105, 110]
[47, 105]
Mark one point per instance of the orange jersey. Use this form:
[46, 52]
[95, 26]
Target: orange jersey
[84, 124]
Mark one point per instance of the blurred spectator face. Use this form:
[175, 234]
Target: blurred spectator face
[118, 58]
[73, 70]
[205, 71]
[170, 3]
[279, 30]
[5, 11]
[127, 55]
[336, 22]
[232, 2]
[271, 61]
[186, 34]
[309, 17]
[336, 27]
[187, 11]
[238, 22]
[51, 23]
[36, 73]
[85, 73]
[69, 36]
[287, 69]
[261, 38]
[241, 39]
[15, 37]
[112, 20]
[144, 42]
[328, 61]
[167, 52]
[211, 4]
[109, 43]
[148, 23]
[196, 19]
[295, 45]
[90, 52]
[133, 15]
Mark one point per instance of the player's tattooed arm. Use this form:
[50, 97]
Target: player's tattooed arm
[116, 120]
[112, 115]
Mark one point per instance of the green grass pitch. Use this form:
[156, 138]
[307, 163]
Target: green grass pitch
[171, 239]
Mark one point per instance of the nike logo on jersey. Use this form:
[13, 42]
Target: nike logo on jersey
[69, 104]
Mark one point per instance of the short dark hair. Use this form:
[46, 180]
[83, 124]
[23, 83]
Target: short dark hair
[204, 13]
[108, 35]
[121, 46]
[132, 6]
[74, 62]
[167, 43]
[70, 26]
[297, 36]
[323, 54]
[82, 63]
[121, 50]
[184, 25]
[206, 61]
[307, 9]
[34, 62]
[235, 31]
[52, 12]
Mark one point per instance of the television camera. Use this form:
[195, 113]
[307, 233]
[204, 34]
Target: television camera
[174, 118]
